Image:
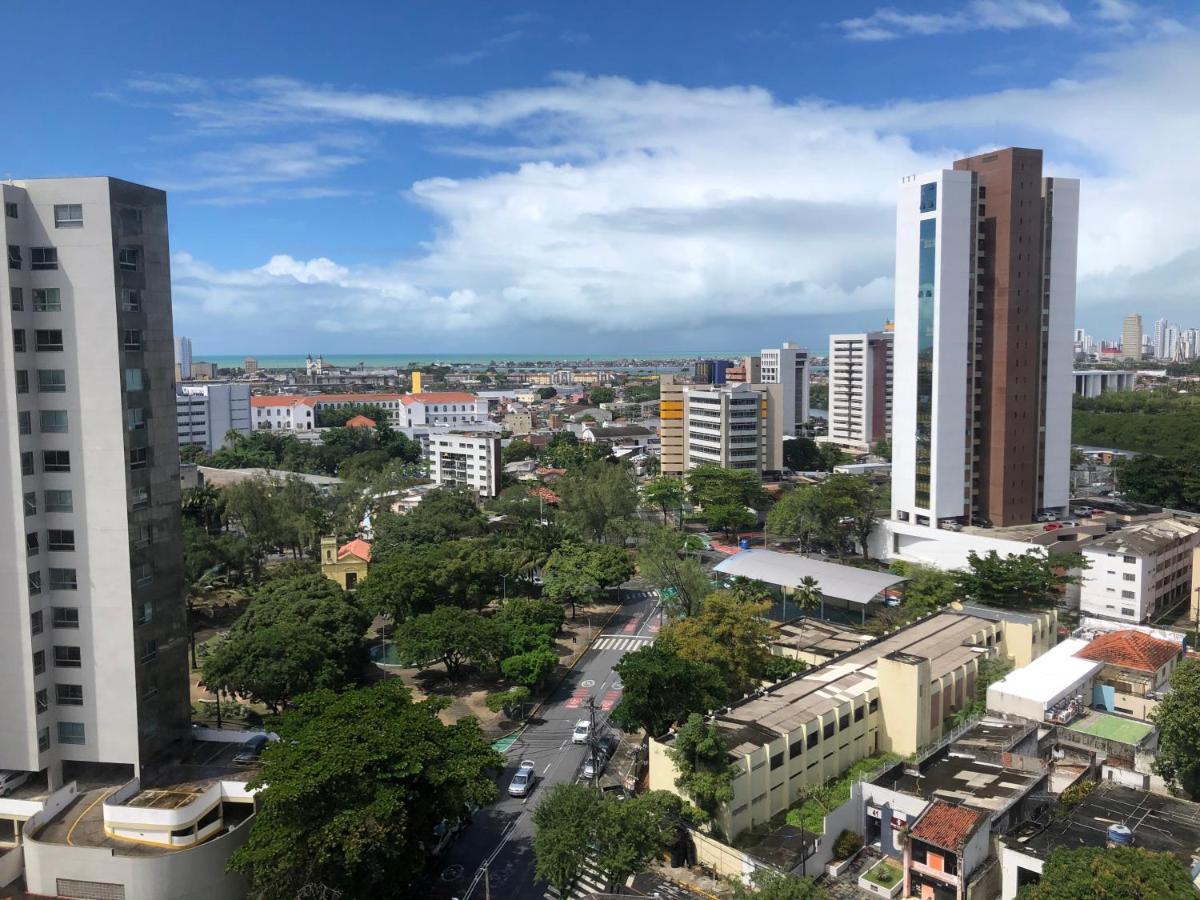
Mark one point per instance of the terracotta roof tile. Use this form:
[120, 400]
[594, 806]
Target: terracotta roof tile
[946, 826]
[265, 400]
[442, 397]
[1131, 649]
[357, 547]
[360, 422]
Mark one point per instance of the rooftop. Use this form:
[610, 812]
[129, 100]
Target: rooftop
[947, 826]
[964, 780]
[1131, 649]
[818, 637]
[1112, 728]
[1044, 679]
[221, 477]
[360, 421]
[790, 569]
[612, 431]
[1161, 824]
[1145, 538]
[357, 547]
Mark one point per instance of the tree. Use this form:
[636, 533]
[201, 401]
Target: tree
[562, 832]
[883, 448]
[729, 518]
[450, 636]
[801, 454]
[511, 702]
[336, 418]
[772, 885]
[857, 500]
[710, 484]
[729, 635]
[444, 514]
[547, 392]
[361, 780]
[530, 668]
[927, 589]
[600, 394]
[702, 759]
[596, 498]
[807, 595]
[1178, 721]
[580, 572]
[414, 578]
[683, 582]
[1019, 580]
[296, 635]
[1110, 873]
[517, 451]
[795, 516]
[664, 493]
[662, 689]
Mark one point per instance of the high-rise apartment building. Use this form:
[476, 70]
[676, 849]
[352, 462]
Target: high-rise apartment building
[466, 459]
[93, 637]
[1160, 339]
[1131, 337]
[788, 366]
[670, 428]
[737, 426]
[860, 388]
[985, 305]
[183, 358]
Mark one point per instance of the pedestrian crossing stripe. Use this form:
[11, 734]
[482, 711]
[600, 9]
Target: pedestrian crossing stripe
[622, 643]
[592, 880]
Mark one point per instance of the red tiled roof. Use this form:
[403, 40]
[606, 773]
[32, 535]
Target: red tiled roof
[360, 422]
[357, 547]
[946, 826]
[545, 493]
[1131, 649]
[264, 400]
[443, 397]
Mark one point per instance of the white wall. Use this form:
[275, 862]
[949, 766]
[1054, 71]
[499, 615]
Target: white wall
[1010, 861]
[939, 548]
[1056, 491]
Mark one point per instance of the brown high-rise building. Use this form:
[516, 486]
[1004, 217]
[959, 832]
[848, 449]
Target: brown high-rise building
[985, 300]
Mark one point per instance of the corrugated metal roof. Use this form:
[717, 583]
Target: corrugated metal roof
[789, 570]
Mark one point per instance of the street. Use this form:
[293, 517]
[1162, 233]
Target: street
[500, 837]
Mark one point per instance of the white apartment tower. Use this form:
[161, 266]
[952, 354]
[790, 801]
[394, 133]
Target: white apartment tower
[787, 366]
[860, 388]
[985, 307]
[466, 459]
[93, 666]
[183, 358]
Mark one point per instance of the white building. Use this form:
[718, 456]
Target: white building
[1140, 571]
[1094, 382]
[183, 357]
[470, 459]
[860, 388]
[454, 409]
[205, 413]
[982, 383]
[787, 366]
[737, 426]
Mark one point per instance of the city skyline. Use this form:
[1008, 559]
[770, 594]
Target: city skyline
[467, 196]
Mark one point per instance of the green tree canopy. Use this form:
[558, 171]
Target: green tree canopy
[1018, 580]
[450, 636]
[598, 498]
[663, 493]
[927, 589]
[562, 831]
[1110, 873]
[517, 451]
[415, 578]
[772, 885]
[663, 561]
[709, 485]
[1178, 721]
[728, 634]
[662, 689]
[360, 781]
[601, 394]
[578, 573]
[702, 760]
[729, 518]
[444, 514]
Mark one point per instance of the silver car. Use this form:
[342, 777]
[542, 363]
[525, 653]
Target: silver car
[595, 765]
[522, 782]
[10, 781]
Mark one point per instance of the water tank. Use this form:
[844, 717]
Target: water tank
[1120, 836]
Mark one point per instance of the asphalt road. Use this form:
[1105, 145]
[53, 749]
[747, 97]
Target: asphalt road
[500, 837]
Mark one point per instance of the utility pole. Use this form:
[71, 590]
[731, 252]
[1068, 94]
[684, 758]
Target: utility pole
[593, 740]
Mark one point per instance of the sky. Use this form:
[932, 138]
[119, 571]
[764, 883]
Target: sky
[618, 178]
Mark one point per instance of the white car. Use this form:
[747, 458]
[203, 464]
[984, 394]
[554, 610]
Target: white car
[10, 781]
[601, 760]
[522, 782]
[583, 730]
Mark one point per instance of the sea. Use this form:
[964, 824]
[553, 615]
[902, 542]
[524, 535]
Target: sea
[403, 360]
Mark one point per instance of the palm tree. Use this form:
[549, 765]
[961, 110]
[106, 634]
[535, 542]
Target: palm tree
[808, 595]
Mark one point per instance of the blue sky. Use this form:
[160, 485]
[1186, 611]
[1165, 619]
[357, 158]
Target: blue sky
[471, 177]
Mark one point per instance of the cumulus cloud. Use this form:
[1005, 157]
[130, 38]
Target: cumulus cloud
[887, 23]
[626, 207]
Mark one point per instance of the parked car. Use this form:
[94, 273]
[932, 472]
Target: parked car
[594, 765]
[522, 782]
[251, 750]
[10, 781]
[583, 730]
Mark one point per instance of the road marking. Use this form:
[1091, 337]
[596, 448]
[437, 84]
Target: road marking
[90, 806]
[549, 764]
[632, 642]
[591, 682]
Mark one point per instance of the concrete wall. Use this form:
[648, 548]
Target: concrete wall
[1010, 861]
[1063, 195]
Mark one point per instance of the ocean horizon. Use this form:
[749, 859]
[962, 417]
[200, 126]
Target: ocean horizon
[402, 360]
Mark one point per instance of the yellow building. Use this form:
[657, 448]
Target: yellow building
[670, 429]
[416, 383]
[898, 694]
[347, 564]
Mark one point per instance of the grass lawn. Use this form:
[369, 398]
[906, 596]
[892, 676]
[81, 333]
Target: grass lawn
[810, 815]
[1113, 728]
[883, 873]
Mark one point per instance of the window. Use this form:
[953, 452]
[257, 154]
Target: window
[859, 711]
[47, 300]
[131, 300]
[1129, 576]
[827, 731]
[141, 535]
[59, 501]
[135, 418]
[843, 721]
[129, 259]
[131, 221]
[17, 297]
[929, 197]
[139, 457]
[1127, 612]
[143, 573]
[133, 340]
[65, 616]
[139, 497]
[18, 340]
[1130, 559]
[14, 256]
[48, 339]
[59, 540]
[35, 622]
[10, 210]
[68, 694]
[56, 461]
[24, 422]
[43, 739]
[777, 760]
[64, 580]
[53, 421]
[873, 706]
[67, 657]
[146, 616]
[43, 258]
[27, 462]
[68, 215]
[31, 543]
[796, 749]
[149, 649]
[71, 733]
[52, 381]
[22, 381]
[30, 503]
[811, 740]
[1127, 595]
[41, 701]
[134, 380]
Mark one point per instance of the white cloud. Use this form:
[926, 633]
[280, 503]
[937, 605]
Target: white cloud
[887, 23]
[632, 207]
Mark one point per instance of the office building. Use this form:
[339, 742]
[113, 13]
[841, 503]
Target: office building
[466, 459]
[183, 358]
[206, 413]
[737, 426]
[1131, 337]
[788, 366]
[670, 425]
[985, 304]
[709, 371]
[1094, 382]
[860, 388]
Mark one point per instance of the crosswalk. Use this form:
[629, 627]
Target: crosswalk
[592, 880]
[622, 642]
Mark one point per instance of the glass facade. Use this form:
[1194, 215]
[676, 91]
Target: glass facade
[925, 317]
[929, 197]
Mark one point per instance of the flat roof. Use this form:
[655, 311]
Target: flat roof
[1145, 538]
[966, 781]
[1113, 728]
[995, 614]
[790, 569]
[1159, 823]
[818, 636]
[1044, 679]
